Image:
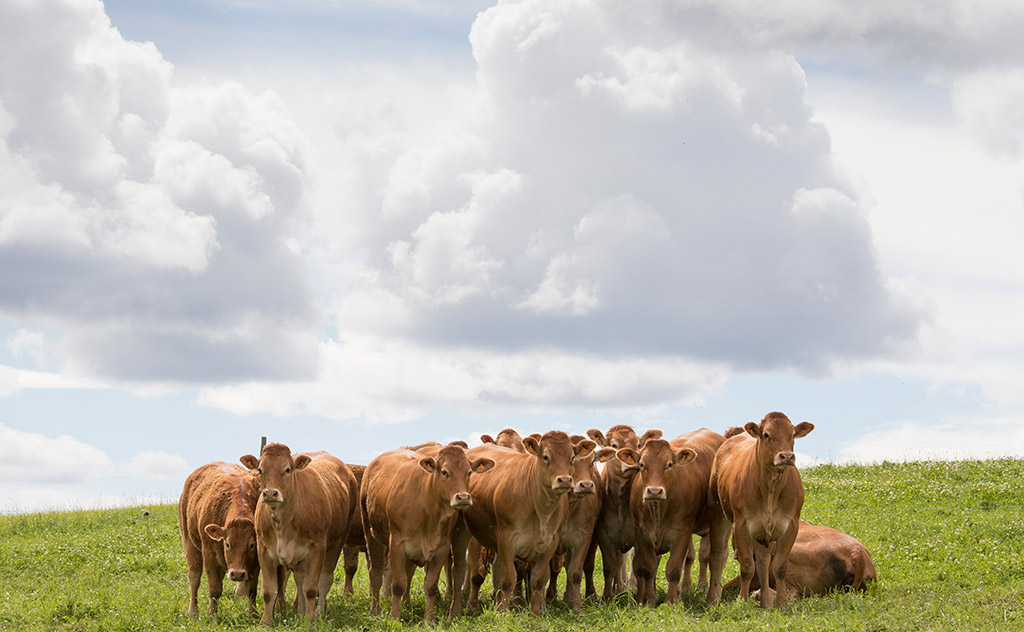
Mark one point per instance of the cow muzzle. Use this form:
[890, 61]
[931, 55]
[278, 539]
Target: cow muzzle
[654, 494]
[785, 459]
[272, 496]
[237, 575]
[584, 487]
[461, 500]
[562, 484]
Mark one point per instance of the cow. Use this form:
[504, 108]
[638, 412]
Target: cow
[757, 488]
[519, 509]
[356, 542]
[614, 530]
[302, 522]
[218, 533]
[410, 505]
[823, 559]
[507, 438]
[578, 531]
[669, 505]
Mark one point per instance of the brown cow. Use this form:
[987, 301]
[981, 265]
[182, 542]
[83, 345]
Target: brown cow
[302, 523]
[614, 530]
[518, 511]
[410, 506]
[356, 542]
[669, 505]
[822, 560]
[507, 438]
[215, 515]
[755, 484]
[578, 531]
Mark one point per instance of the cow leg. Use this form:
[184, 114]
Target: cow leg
[457, 575]
[744, 546]
[399, 575]
[327, 577]
[686, 581]
[645, 564]
[252, 585]
[431, 576]
[762, 558]
[194, 557]
[504, 571]
[539, 574]
[214, 577]
[351, 564]
[718, 534]
[554, 569]
[703, 556]
[477, 573]
[681, 552]
[611, 560]
[779, 566]
[375, 566]
[588, 567]
[272, 575]
[574, 572]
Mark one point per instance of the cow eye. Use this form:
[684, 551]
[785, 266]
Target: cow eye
[227, 545]
[547, 459]
[252, 545]
[669, 466]
[765, 436]
[259, 471]
[288, 470]
[445, 473]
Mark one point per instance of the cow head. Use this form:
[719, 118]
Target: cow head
[622, 436]
[275, 469]
[775, 436]
[583, 470]
[239, 538]
[451, 470]
[652, 463]
[507, 438]
[554, 454]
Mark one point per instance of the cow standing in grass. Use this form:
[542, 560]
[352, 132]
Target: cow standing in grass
[302, 522]
[218, 533]
[755, 484]
[411, 504]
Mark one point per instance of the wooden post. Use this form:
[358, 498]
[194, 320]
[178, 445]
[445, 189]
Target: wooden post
[263, 444]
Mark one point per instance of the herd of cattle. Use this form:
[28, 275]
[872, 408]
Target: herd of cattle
[523, 507]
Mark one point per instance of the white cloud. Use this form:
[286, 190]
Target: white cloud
[973, 438]
[149, 222]
[156, 464]
[29, 457]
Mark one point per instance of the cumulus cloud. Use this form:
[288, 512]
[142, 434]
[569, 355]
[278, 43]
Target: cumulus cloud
[156, 464]
[631, 191]
[146, 223]
[967, 438]
[32, 457]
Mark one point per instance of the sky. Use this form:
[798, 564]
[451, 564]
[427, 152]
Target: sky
[349, 226]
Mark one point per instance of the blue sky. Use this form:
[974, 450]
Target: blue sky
[356, 225]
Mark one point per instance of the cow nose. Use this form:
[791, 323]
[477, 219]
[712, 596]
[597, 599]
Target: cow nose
[654, 493]
[785, 458]
[238, 575]
[271, 496]
[584, 487]
[563, 482]
[462, 499]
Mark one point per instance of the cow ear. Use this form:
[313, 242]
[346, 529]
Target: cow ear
[301, 461]
[481, 465]
[732, 432]
[583, 448]
[685, 455]
[803, 429]
[214, 531]
[428, 464]
[753, 429]
[574, 439]
[460, 444]
[649, 436]
[603, 455]
[487, 439]
[597, 436]
[250, 462]
[630, 457]
[531, 444]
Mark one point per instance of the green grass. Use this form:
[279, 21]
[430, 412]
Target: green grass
[947, 540]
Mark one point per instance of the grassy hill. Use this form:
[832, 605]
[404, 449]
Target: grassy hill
[947, 540]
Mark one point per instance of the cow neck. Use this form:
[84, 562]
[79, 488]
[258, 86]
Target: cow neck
[772, 481]
[544, 498]
[620, 486]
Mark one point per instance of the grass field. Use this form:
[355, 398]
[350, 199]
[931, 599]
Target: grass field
[947, 539]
